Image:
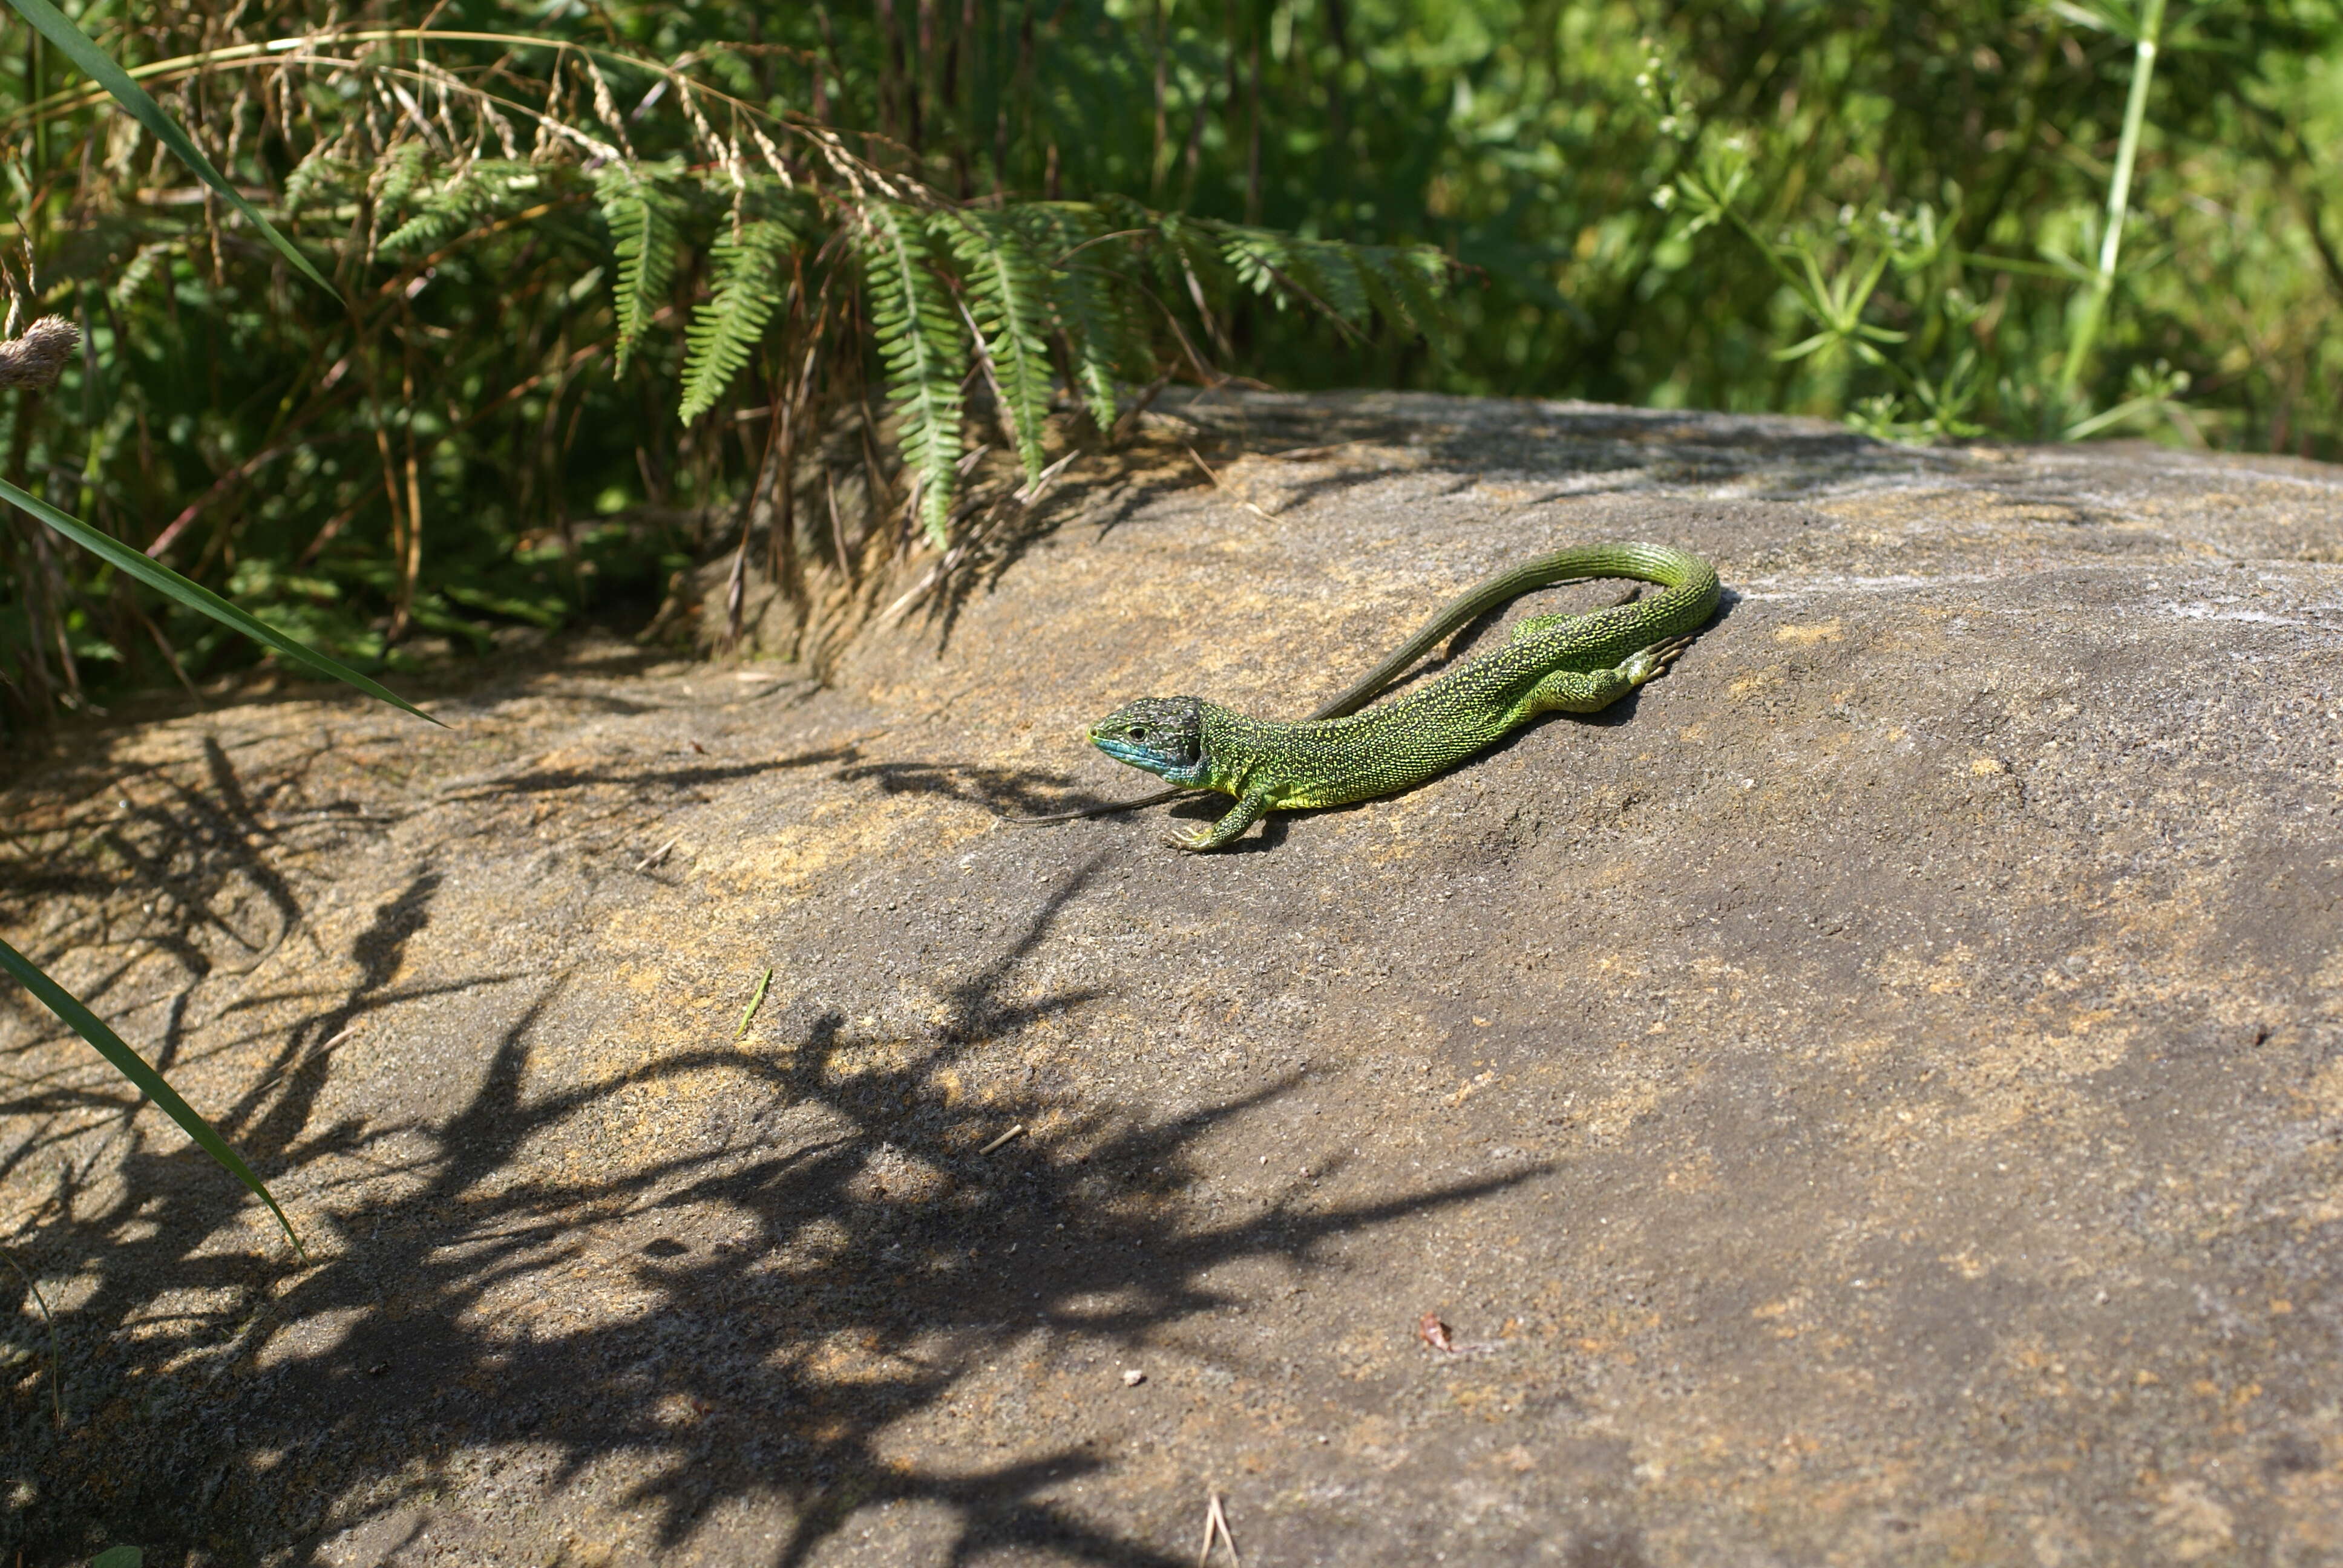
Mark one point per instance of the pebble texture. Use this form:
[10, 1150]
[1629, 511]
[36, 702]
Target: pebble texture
[1872, 1097]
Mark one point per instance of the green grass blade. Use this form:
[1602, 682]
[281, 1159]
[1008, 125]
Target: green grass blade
[133, 1066]
[165, 581]
[98, 67]
[754, 1002]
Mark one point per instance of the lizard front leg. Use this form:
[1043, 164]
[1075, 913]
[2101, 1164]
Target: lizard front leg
[1242, 815]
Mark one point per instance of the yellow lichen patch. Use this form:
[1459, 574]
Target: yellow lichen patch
[2325, 1089]
[1615, 1113]
[860, 1060]
[1986, 766]
[1697, 1174]
[2030, 1078]
[792, 859]
[1952, 974]
[1771, 675]
[1398, 823]
[1966, 1264]
[2190, 1523]
[1803, 636]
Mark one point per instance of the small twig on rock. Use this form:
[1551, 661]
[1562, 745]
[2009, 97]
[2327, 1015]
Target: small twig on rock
[1222, 485]
[1303, 454]
[1216, 1524]
[1016, 1131]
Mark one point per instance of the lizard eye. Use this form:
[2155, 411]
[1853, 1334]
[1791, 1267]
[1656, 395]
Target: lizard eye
[1136, 733]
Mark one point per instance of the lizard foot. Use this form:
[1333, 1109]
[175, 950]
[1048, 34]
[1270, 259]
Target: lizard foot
[1243, 815]
[1651, 663]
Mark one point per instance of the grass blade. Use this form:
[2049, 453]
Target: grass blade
[754, 1002]
[98, 67]
[133, 1066]
[196, 596]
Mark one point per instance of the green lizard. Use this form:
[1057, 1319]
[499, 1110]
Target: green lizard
[1564, 663]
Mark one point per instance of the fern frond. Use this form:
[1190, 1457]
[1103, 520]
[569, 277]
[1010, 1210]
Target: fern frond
[1092, 307]
[922, 343]
[316, 173]
[140, 269]
[482, 190]
[643, 237]
[1189, 262]
[1402, 281]
[1009, 289]
[1348, 282]
[398, 175]
[1260, 259]
[1329, 270]
[747, 268]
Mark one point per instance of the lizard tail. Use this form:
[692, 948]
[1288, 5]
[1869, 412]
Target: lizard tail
[1690, 599]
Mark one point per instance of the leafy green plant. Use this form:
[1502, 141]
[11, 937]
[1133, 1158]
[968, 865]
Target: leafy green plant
[1835, 275]
[602, 204]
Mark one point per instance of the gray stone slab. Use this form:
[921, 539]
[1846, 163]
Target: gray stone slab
[1872, 1099]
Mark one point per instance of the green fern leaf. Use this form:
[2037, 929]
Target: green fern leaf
[643, 237]
[1093, 307]
[443, 212]
[1009, 289]
[316, 175]
[1348, 282]
[407, 167]
[925, 349]
[1330, 271]
[477, 193]
[1189, 261]
[1404, 283]
[1261, 260]
[748, 270]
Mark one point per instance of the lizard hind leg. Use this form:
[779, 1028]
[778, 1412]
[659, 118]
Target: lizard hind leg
[1591, 690]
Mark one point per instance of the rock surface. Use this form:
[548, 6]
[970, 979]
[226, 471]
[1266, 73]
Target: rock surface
[1873, 1098]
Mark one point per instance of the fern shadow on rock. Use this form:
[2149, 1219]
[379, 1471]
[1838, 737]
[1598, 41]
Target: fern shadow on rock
[766, 1306]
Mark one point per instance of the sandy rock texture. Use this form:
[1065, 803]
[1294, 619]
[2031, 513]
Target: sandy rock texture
[1874, 1098]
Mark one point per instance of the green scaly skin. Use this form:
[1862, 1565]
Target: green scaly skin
[1554, 663]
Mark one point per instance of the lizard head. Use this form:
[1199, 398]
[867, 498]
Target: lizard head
[1162, 735]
